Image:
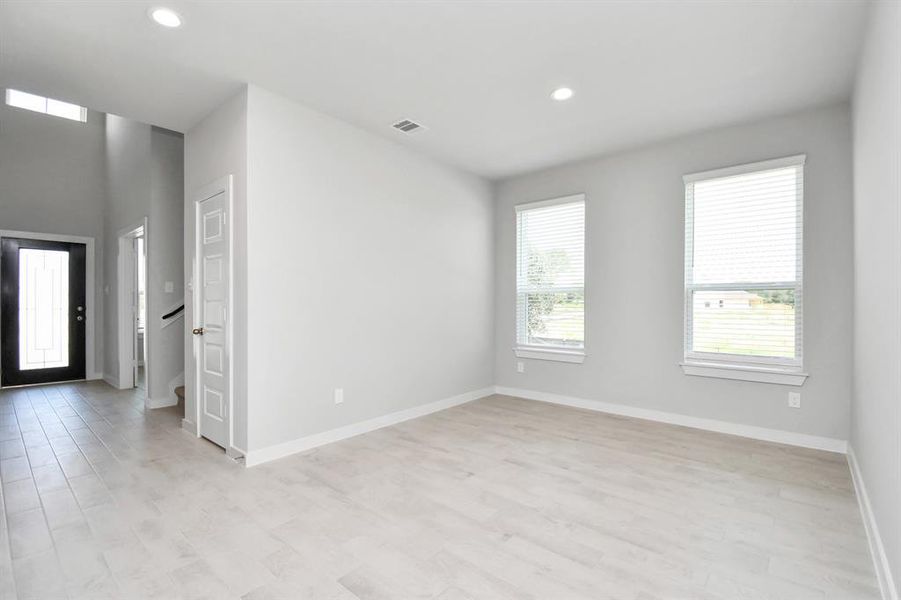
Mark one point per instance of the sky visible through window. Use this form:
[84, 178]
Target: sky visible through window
[47, 106]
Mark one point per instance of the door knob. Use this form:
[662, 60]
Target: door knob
[197, 331]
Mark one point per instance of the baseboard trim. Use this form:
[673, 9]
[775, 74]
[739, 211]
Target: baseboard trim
[114, 382]
[877, 550]
[163, 402]
[263, 455]
[749, 431]
[189, 426]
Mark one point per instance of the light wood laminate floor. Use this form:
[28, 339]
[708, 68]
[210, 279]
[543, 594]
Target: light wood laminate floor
[500, 498]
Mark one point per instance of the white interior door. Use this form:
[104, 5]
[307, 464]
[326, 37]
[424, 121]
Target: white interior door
[211, 312]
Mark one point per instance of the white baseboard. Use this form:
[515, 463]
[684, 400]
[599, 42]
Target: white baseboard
[94, 376]
[748, 431]
[170, 399]
[161, 402]
[189, 426]
[877, 550]
[113, 381]
[256, 457]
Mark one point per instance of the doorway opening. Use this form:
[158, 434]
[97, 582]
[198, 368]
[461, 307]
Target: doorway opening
[141, 321]
[46, 308]
[134, 334]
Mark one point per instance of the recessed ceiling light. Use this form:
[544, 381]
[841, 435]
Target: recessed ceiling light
[561, 94]
[166, 17]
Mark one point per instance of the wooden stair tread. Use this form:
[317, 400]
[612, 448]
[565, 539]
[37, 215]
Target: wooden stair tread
[180, 392]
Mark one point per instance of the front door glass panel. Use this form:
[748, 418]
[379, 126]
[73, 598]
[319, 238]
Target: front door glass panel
[43, 309]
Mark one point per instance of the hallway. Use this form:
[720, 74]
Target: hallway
[69, 454]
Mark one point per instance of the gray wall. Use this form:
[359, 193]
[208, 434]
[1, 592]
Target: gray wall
[165, 259]
[145, 179]
[634, 288]
[370, 269]
[128, 185]
[52, 180]
[214, 148]
[876, 405]
[92, 179]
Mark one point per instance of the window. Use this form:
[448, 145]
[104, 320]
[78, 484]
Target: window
[550, 279]
[47, 106]
[743, 272]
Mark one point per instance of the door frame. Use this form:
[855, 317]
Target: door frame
[126, 282]
[90, 325]
[222, 185]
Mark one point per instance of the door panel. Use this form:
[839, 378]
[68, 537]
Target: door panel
[212, 314]
[42, 311]
[213, 406]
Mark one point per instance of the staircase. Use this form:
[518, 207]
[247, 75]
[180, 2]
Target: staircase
[180, 392]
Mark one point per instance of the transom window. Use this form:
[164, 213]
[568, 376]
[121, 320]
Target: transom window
[47, 106]
[743, 265]
[550, 279]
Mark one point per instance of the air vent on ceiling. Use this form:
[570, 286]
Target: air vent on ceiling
[408, 126]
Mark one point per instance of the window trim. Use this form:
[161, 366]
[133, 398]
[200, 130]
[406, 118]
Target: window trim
[720, 370]
[554, 353]
[734, 366]
[566, 354]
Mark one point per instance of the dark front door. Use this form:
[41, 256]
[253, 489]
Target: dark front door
[42, 311]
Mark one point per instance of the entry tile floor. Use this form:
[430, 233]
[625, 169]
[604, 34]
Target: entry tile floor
[500, 498]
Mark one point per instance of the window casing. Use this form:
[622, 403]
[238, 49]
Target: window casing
[550, 279]
[744, 269]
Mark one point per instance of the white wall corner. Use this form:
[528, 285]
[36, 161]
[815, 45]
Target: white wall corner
[270, 453]
[112, 380]
[190, 427]
[170, 399]
[748, 431]
[877, 550]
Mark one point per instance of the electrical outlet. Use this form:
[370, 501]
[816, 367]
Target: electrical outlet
[794, 400]
[339, 395]
[520, 367]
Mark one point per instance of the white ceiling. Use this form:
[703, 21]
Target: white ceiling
[477, 74]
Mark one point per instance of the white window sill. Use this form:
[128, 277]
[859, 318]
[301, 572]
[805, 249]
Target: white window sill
[559, 355]
[745, 373]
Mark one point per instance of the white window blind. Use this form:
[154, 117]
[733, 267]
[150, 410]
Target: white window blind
[743, 264]
[550, 273]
